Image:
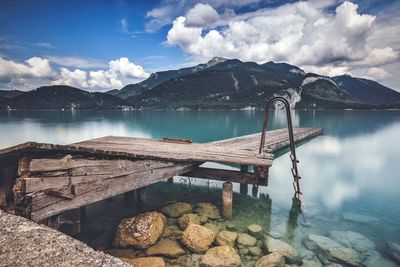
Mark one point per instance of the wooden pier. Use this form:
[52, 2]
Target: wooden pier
[48, 179]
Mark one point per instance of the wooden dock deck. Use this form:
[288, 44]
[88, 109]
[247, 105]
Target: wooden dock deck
[53, 178]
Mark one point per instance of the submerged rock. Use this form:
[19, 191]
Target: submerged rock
[187, 219]
[221, 256]
[212, 227]
[246, 240]
[167, 248]
[271, 260]
[255, 251]
[122, 253]
[309, 263]
[393, 251]
[208, 210]
[276, 245]
[167, 232]
[354, 240]
[374, 259]
[226, 238]
[359, 218]
[332, 250]
[146, 262]
[255, 230]
[141, 231]
[176, 209]
[198, 238]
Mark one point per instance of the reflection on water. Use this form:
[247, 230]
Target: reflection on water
[350, 175]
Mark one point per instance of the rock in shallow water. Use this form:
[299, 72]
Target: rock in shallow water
[276, 245]
[271, 260]
[255, 251]
[308, 263]
[212, 227]
[141, 231]
[208, 210]
[226, 238]
[246, 240]
[393, 250]
[354, 240]
[221, 256]
[146, 262]
[255, 230]
[332, 250]
[167, 248]
[374, 259]
[187, 219]
[176, 209]
[198, 238]
[359, 218]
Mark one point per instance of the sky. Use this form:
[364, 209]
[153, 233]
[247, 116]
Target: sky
[101, 45]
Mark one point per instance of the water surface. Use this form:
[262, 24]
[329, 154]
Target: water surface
[350, 175]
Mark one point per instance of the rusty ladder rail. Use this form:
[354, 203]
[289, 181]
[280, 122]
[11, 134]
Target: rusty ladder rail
[295, 172]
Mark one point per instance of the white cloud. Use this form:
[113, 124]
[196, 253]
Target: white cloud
[104, 79]
[201, 15]
[376, 74]
[77, 78]
[127, 68]
[77, 62]
[34, 67]
[170, 9]
[44, 45]
[301, 33]
[119, 70]
[380, 56]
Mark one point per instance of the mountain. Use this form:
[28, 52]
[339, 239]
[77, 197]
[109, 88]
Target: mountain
[62, 97]
[233, 84]
[367, 91]
[161, 77]
[10, 93]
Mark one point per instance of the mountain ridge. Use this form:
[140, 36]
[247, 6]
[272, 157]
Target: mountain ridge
[219, 83]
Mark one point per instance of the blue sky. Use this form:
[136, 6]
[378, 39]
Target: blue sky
[100, 45]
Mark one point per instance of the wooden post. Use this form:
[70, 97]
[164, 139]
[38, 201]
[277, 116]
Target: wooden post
[23, 203]
[68, 222]
[142, 198]
[254, 190]
[227, 196]
[244, 188]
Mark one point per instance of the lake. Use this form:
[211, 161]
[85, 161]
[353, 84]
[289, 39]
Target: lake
[350, 175]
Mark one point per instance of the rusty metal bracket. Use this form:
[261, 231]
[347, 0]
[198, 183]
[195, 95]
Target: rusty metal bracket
[295, 172]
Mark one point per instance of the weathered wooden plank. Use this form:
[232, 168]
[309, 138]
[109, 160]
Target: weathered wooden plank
[226, 175]
[274, 140]
[44, 206]
[157, 149]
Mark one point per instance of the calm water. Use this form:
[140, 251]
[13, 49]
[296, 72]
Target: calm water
[351, 174]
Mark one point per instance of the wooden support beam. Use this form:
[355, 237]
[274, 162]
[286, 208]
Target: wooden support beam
[226, 175]
[254, 190]
[67, 222]
[142, 198]
[227, 200]
[49, 191]
[244, 188]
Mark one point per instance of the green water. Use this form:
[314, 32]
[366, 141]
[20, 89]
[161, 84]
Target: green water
[350, 175]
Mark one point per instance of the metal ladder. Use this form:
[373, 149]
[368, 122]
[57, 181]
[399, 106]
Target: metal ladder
[296, 177]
